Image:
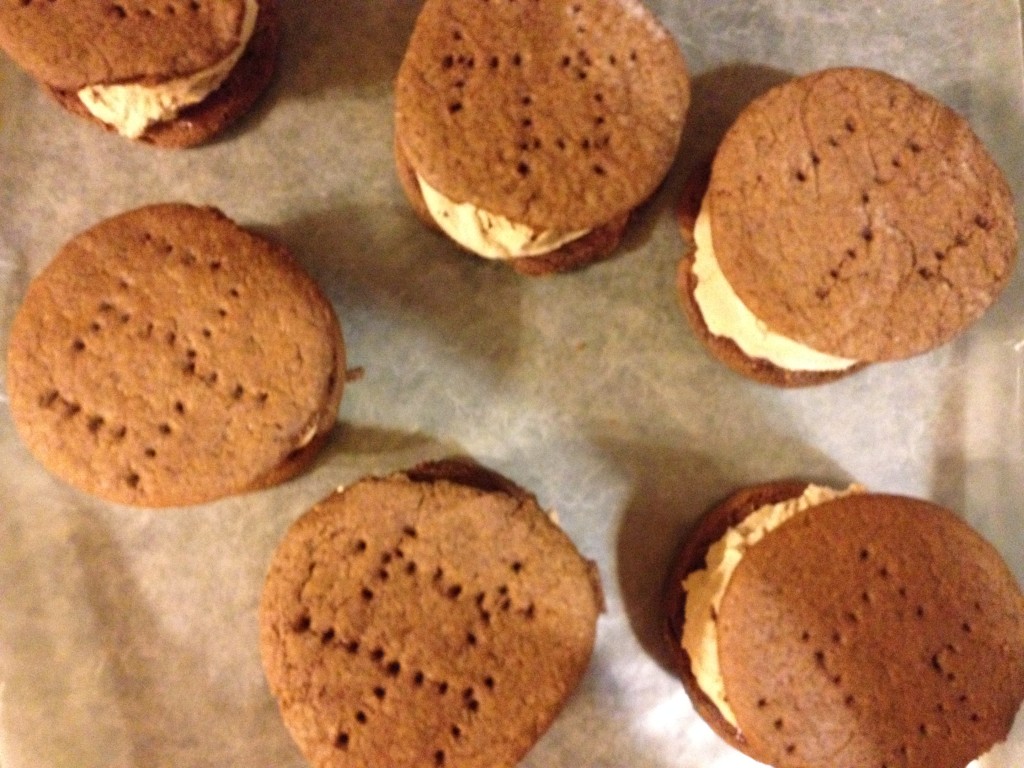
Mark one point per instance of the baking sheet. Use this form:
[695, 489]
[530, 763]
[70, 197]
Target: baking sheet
[128, 637]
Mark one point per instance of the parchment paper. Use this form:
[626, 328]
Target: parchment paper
[128, 637]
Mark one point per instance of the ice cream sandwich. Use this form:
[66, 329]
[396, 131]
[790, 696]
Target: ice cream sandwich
[528, 132]
[849, 218]
[172, 73]
[815, 628]
[167, 356]
[433, 617]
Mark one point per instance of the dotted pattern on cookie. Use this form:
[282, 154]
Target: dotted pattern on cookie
[562, 115]
[725, 349]
[68, 45]
[596, 245]
[876, 631]
[149, 365]
[709, 529]
[860, 216]
[424, 623]
[201, 122]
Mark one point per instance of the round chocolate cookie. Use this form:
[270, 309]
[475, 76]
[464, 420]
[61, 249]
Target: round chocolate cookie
[167, 356]
[71, 46]
[433, 617]
[869, 630]
[855, 215]
[557, 116]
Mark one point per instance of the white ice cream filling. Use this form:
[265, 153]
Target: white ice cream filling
[726, 315]
[132, 108]
[489, 234]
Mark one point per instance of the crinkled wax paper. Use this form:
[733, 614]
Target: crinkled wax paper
[128, 637]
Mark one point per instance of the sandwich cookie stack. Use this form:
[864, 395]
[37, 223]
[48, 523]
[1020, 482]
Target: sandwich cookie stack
[527, 132]
[172, 73]
[849, 219]
[814, 628]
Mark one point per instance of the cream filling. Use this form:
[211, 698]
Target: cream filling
[131, 108]
[727, 316]
[307, 438]
[489, 234]
[705, 588]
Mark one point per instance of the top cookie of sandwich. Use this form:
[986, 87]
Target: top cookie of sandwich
[553, 114]
[859, 216]
[166, 356]
[435, 617]
[69, 45]
[171, 74]
[872, 630]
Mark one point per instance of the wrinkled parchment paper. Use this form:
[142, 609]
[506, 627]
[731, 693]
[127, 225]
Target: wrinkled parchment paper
[128, 637]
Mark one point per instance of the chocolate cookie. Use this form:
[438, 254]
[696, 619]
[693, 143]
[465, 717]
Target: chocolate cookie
[849, 218]
[433, 617]
[173, 74]
[531, 130]
[867, 630]
[167, 356]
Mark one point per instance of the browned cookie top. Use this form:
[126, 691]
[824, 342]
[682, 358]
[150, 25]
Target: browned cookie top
[72, 43]
[166, 356]
[425, 622]
[872, 630]
[860, 216]
[554, 114]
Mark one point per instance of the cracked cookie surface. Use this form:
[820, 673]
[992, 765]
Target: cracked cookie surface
[860, 216]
